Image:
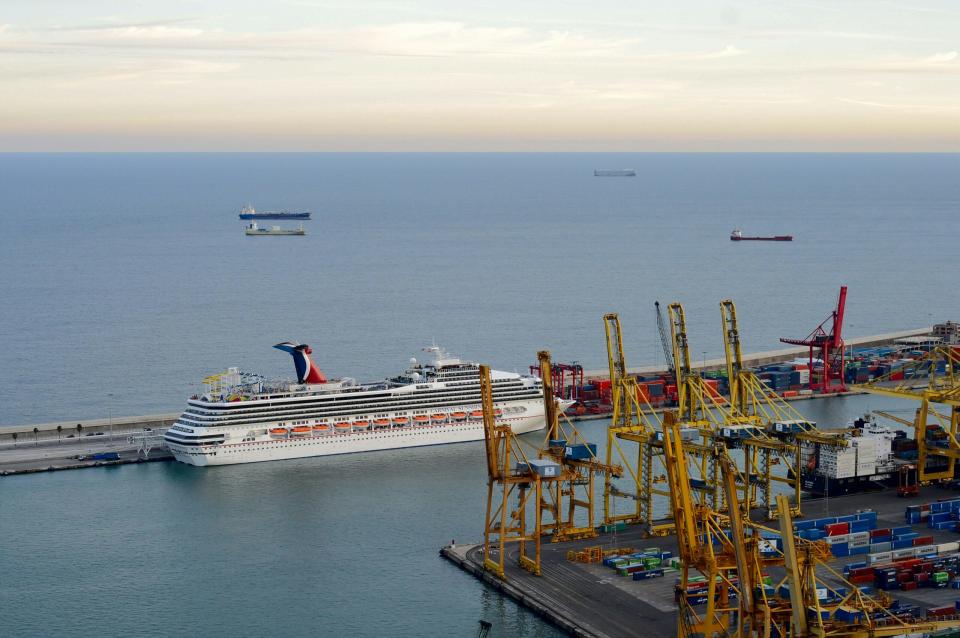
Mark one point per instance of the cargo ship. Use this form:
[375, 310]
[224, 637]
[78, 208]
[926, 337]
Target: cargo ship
[254, 230]
[737, 235]
[242, 419]
[866, 463]
[249, 212]
[614, 172]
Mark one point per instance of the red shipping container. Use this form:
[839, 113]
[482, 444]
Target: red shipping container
[947, 610]
[836, 529]
[922, 540]
[879, 532]
[908, 586]
[904, 563]
[862, 580]
[860, 571]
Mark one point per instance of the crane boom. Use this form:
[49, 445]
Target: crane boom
[664, 341]
[734, 355]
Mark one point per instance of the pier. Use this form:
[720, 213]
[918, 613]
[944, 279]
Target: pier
[771, 356]
[71, 445]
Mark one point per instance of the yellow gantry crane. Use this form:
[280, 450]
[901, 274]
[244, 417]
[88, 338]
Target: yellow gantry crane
[570, 509]
[509, 473]
[933, 380]
[776, 432]
[633, 421]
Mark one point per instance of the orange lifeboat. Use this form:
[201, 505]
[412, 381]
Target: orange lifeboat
[476, 414]
[361, 425]
[343, 426]
[401, 420]
[381, 423]
[321, 429]
[278, 433]
[421, 419]
[301, 430]
[438, 418]
[459, 416]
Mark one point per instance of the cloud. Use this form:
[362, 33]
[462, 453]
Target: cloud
[910, 107]
[152, 32]
[728, 51]
[939, 58]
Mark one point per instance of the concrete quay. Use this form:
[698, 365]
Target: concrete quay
[590, 600]
[771, 356]
[81, 428]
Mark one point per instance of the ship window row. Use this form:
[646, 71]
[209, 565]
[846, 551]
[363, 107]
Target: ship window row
[342, 393]
[344, 418]
[267, 418]
[393, 406]
[419, 398]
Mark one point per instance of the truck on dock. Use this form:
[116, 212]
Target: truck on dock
[99, 456]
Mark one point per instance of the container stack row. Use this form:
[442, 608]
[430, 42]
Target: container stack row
[642, 565]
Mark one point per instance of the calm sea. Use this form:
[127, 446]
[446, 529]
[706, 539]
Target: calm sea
[127, 278]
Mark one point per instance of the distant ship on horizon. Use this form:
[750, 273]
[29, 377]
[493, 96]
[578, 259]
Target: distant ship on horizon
[249, 212]
[614, 172]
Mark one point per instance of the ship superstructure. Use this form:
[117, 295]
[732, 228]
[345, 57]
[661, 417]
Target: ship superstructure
[241, 418]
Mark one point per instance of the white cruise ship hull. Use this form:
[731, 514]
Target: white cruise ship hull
[348, 443]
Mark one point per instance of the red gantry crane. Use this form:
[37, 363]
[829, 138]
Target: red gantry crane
[829, 345]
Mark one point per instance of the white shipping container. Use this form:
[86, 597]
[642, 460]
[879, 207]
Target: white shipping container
[946, 548]
[879, 558]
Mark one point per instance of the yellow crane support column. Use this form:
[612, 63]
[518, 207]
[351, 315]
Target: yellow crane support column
[573, 491]
[628, 422]
[503, 525]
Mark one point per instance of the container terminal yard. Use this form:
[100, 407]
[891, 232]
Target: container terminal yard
[579, 536]
[696, 517]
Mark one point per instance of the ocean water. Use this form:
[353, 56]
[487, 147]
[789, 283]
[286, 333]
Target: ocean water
[127, 278]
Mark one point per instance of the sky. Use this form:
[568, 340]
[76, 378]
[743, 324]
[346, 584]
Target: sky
[503, 75]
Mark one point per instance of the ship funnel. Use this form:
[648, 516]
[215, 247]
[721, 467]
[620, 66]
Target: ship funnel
[307, 370]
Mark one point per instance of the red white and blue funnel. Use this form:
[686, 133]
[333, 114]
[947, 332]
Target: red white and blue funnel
[307, 370]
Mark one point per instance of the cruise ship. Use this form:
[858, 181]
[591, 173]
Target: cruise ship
[240, 418]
